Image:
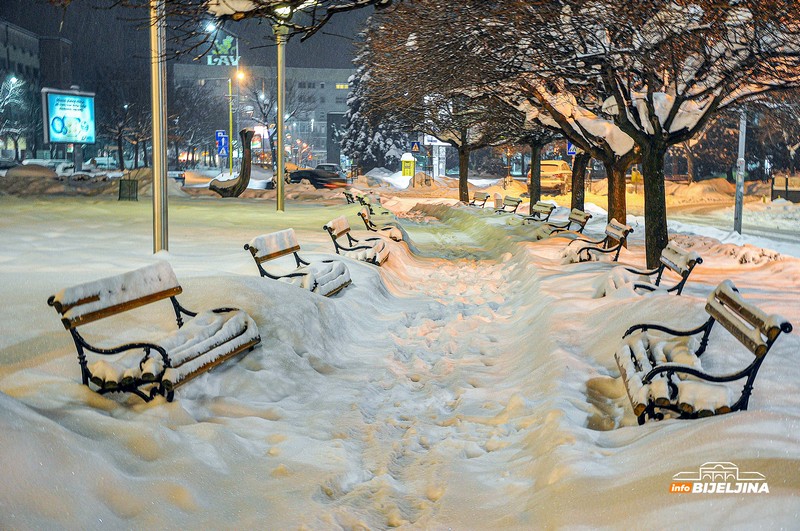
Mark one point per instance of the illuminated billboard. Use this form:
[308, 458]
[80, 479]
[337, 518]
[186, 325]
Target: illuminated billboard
[68, 117]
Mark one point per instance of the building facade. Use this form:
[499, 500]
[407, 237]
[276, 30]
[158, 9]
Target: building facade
[311, 95]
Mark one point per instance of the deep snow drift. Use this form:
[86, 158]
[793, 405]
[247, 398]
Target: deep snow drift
[469, 384]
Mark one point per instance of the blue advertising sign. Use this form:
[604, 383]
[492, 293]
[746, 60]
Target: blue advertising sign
[69, 117]
[571, 150]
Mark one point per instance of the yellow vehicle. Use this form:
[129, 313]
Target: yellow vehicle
[556, 176]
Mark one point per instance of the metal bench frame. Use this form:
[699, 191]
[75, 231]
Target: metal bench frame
[540, 211]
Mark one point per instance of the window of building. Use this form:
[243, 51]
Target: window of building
[341, 100]
[301, 84]
[322, 84]
[343, 86]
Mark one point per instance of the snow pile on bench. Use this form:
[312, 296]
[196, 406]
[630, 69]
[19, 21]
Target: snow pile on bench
[640, 352]
[97, 295]
[200, 341]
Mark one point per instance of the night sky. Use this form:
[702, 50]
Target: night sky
[117, 40]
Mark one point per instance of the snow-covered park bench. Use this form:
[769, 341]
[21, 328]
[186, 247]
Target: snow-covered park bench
[364, 200]
[509, 206]
[614, 240]
[349, 197]
[326, 277]
[390, 231]
[372, 250]
[540, 211]
[479, 199]
[674, 258]
[571, 228]
[160, 363]
[663, 371]
[575, 224]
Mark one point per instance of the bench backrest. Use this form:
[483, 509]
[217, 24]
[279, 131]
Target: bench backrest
[678, 259]
[752, 327]
[579, 216]
[273, 245]
[349, 196]
[95, 300]
[617, 231]
[480, 196]
[511, 201]
[364, 213]
[338, 227]
[542, 208]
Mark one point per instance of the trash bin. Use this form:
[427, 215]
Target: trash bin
[128, 190]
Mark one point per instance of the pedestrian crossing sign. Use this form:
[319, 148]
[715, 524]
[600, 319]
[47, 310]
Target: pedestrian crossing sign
[414, 147]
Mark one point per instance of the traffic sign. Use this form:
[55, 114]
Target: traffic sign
[222, 146]
[415, 147]
[219, 133]
[571, 149]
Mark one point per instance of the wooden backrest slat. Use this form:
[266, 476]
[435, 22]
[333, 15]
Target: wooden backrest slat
[752, 327]
[678, 259]
[93, 300]
[276, 254]
[579, 216]
[338, 227]
[119, 308]
[511, 201]
[480, 196]
[273, 245]
[617, 230]
[542, 208]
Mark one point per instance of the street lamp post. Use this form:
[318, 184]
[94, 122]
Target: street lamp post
[158, 77]
[281, 32]
[230, 128]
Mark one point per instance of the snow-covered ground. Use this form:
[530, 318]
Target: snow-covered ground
[469, 383]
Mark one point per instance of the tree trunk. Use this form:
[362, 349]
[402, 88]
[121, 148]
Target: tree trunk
[136, 155]
[177, 156]
[617, 204]
[119, 153]
[463, 171]
[535, 182]
[579, 179]
[16, 149]
[690, 165]
[144, 153]
[655, 203]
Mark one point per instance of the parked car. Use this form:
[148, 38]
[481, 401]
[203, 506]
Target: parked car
[556, 176]
[318, 178]
[6, 164]
[332, 168]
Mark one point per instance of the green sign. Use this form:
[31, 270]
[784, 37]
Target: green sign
[224, 51]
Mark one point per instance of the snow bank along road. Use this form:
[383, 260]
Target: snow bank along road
[467, 384]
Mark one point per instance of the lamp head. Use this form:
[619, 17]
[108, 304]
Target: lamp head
[283, 11]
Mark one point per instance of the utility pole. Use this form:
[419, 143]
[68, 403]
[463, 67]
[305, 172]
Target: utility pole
[740, 167]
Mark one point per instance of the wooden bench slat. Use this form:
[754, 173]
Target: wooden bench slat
[119, 308]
